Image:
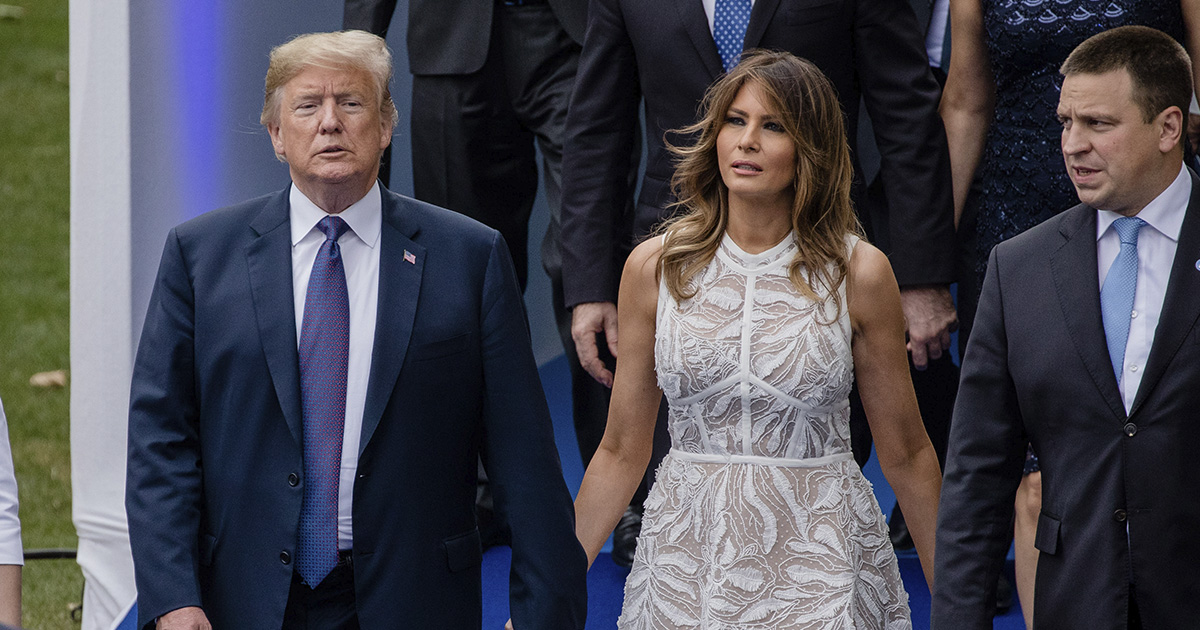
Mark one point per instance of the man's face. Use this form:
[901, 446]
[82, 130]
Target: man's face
[330, 130]
[1114, 157]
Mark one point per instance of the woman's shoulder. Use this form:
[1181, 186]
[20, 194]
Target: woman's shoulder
[869, 268]
[643, 260]
[646, 253]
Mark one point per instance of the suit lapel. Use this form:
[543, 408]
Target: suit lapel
[760, 17]
[1181, 305]
[269, 260]
[691, 15]
[399, 290]
[1074, 268]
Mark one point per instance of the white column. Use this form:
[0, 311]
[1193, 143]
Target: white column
[101, 322]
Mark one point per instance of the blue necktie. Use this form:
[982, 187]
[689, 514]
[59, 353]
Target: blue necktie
[730, 19]
[324, 356]
[1116, 296]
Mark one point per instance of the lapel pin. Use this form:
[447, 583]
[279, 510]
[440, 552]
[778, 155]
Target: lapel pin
[1198, 265]
[411, 259]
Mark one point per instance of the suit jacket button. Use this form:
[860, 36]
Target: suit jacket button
[1130, 429]
[1119, 516]
[293, 480]
[285, 557]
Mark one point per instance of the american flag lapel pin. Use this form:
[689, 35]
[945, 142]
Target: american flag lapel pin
[410, 257]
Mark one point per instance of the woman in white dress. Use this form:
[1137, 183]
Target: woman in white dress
[753, 313]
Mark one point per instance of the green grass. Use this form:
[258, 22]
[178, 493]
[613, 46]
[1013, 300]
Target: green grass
[34, 300]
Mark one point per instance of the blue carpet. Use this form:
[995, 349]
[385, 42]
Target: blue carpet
[606, 581]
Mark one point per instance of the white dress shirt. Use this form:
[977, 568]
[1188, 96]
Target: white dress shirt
[11, 551]
[710, 9]
[1156, 246]
[936, 34]
[360, 258]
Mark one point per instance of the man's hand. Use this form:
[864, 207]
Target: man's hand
[188, 618]
[930, 318]
[588, 320]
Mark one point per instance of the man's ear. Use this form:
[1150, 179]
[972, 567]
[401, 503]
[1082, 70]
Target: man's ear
[1171, 125]
[388, 130]
[276, 140]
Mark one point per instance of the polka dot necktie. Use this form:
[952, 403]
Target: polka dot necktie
[1116, 295]
[729, 29]
[324, 355]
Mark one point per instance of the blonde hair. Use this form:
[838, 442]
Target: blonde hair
[359, 50]
[822, 213]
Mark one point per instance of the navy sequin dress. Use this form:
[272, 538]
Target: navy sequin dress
[1022, 180]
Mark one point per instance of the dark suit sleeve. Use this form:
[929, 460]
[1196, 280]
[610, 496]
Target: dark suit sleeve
[983, 469]
[548, 583]
[372, 16]
[163, 483]
[602, 126]
[901, 96]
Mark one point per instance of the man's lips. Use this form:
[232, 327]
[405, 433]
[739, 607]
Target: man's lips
[332, 149]
[746, 167]
[1083, 172]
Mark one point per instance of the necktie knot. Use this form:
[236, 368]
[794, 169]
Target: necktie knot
[333, 227]
[1127, 229]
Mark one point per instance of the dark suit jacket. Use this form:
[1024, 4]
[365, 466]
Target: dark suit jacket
[450, 36]
[1037, 369]
[215, 430]
[664, 51]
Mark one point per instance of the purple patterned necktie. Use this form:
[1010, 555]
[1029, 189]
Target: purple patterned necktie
[324, 355]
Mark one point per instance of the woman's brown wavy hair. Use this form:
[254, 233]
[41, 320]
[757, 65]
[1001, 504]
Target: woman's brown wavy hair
[822, 214]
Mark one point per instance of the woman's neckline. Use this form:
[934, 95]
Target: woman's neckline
[751, 260]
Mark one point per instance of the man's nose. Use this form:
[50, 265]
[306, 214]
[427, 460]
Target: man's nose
[330, 119]
[1074, 140]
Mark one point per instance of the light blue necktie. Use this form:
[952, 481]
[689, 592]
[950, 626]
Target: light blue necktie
[324, 359]
[730, 19]
[1116, 296]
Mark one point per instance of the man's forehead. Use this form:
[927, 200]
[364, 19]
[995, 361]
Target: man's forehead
[340, 78]
[1113, 89]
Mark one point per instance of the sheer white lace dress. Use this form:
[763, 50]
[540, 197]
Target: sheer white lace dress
[759, 517]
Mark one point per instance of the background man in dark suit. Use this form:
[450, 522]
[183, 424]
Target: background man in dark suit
[1086, 344]
[491, 78]
[666, 53]
[303, 445]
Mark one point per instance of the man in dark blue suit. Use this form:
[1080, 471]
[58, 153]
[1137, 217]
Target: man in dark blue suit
[318, 372]
[1087, 345]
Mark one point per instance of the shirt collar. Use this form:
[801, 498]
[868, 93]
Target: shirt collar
[365, 216]
[1164, 214]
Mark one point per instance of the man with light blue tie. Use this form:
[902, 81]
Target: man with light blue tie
[1087, 345]
[319, 371]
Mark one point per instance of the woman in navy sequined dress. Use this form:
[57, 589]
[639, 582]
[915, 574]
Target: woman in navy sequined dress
[999, 109]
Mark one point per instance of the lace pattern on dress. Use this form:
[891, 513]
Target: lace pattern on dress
[759, 517]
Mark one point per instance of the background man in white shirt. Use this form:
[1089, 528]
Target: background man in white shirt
[12, 555]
